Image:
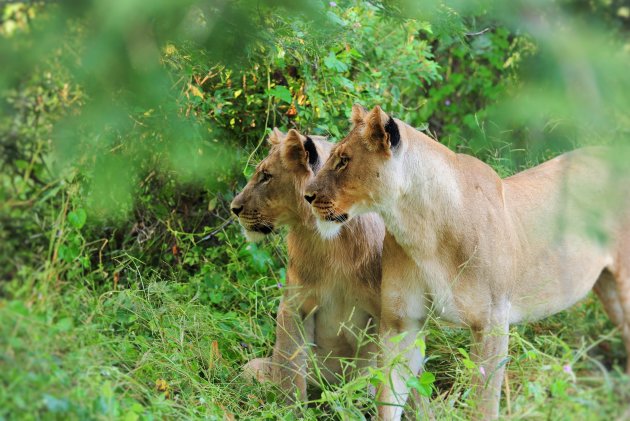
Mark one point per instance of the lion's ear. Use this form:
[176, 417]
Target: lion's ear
[381, 131]
[294, 154]
[275, 137]
[358, 114]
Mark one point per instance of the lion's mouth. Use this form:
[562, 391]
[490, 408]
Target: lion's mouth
[257, 231]
[330, 214]
[261, 228]
[339, 218]
[256, 225]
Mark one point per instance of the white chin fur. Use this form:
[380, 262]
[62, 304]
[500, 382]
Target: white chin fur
[327, 229]
[253, 236]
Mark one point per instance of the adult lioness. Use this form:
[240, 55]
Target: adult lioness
[481, 251]
[335, 283]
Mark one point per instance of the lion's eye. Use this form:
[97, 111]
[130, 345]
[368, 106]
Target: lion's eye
[343, 161]
[264, 177]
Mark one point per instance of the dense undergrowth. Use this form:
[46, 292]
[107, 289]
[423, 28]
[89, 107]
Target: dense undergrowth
[127, 290]
[147, 345]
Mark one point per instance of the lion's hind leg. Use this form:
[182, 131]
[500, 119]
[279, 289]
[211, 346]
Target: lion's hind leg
[624, 296]
[620, 274]
[609, 290]
[606, 290]
[490, 352]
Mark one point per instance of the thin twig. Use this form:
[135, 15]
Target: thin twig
[475, 34]
[251, 155]
[220, 227]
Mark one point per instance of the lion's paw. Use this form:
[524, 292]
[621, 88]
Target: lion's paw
[258, 369]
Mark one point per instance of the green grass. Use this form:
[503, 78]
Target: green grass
[82, 349]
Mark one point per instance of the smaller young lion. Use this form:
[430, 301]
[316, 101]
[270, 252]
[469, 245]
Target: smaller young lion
[333, 287]
[478, 250]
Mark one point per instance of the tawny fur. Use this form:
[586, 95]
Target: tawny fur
[474, 249]
[333, 286]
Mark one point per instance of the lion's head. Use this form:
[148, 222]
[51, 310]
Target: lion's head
[274, 194]
[361, 172]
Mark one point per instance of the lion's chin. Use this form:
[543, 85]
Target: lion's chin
[328, 229]
[254, 236]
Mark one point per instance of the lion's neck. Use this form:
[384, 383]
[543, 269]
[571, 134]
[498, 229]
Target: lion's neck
[304, 234]
[305, 226]
[428, 194]
[303, 231]
[300, 218]
[352, 256]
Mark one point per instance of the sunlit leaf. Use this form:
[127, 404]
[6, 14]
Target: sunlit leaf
[77, 218]
[280, 92]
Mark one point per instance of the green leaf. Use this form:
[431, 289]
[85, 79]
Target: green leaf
[423, 389]
[558, 388]
[64, 325]
[68, 253]
[421, 345]
[422, 384]
[216, 297]
[131, 416]
[62, 252]
[396, 339]
[469, 364]
[20, 164]
[77, 218]
[332, 62]
[19, 307]
[345, 82]
[427, 378]
[280, 92]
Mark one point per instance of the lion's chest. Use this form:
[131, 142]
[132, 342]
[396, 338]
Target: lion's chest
[445, 275]
[334, 287]
[436, 281]
[329, 273]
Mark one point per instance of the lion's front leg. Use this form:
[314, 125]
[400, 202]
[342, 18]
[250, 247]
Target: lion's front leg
[293, 336]
[400, 360]
[403, 311]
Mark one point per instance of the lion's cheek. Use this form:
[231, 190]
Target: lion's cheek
[356, 197]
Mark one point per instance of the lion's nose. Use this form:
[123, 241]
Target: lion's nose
[237, 210]
[309, 197]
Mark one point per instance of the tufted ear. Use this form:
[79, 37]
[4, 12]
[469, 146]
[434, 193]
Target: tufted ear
[311, 153]
[381, 131]
[275, 137]
[358, 114]
[299, 153]
[294, 154]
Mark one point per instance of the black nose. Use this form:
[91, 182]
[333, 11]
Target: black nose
[237, 210]
[309, 197]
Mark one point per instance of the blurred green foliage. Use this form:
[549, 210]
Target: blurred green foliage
[126, 127]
